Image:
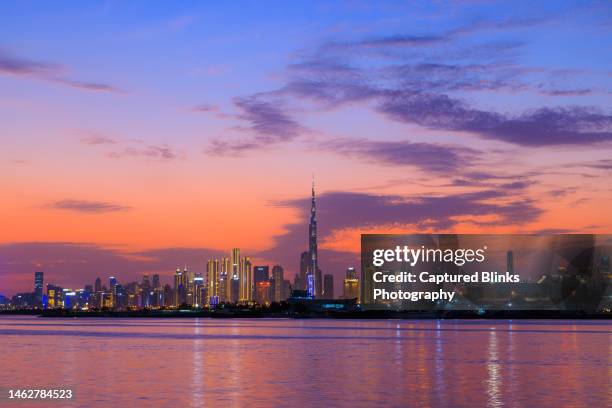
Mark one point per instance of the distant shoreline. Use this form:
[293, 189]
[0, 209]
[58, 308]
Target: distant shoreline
[360, 315]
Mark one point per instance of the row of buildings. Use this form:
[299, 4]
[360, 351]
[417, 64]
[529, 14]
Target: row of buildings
[231, 279]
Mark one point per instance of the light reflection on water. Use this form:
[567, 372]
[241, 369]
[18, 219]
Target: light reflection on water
[274, 362]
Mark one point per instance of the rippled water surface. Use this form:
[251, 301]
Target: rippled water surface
[274, 362]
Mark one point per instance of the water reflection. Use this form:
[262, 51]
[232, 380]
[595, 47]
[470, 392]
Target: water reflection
[183, 362]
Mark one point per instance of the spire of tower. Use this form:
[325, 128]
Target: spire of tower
[313, 186]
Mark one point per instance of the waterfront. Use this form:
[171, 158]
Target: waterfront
[285, 362]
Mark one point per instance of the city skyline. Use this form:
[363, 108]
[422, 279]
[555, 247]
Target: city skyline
[166, 133]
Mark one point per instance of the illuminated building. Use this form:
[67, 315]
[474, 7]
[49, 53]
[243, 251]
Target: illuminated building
[198, 290]
[234, 285]
[313, 288]
[54, 297]
[181, 283]
[245, 279]
[328, 286]
[145, 291]
[212, 271]
[224, 281]
[260, 274]
[277, 283]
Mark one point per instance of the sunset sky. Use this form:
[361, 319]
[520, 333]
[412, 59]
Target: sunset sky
[142, 136]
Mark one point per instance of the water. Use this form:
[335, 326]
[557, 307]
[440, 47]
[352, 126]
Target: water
[274, 362]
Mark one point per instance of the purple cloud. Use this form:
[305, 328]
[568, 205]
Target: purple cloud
[437, 158]
[268, 124]
[162, 152]
[86, 206]
[16, 66]
[541, 127]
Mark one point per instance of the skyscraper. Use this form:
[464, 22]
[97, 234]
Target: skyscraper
[234, 277]
[245, 278]
[38, 286]
[260, 274]
[212, 270]
[278, 277]
[178, 287]
[313, 262]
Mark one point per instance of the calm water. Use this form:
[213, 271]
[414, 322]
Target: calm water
[226, 363]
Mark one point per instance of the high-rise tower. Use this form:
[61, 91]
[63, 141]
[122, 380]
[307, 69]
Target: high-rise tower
[312, 248]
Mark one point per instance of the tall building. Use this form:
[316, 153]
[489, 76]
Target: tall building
[199, 292]
[234, 278]
[98, 285]
[328, 286]
[180, 287]
[212, 271]
[38, 286]
[145, 292]
[313, 262]
[245, 278]
[278, 277]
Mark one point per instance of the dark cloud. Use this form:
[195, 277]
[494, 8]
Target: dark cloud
[13, 65]
[86, 206]
[437, 158]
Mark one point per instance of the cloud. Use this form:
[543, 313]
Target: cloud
[541, 127]
[437, 158]
[25, 68]
[86, 206]
[92, 138]
[162, 152]
[205, 108]
[268, 124]
[127, 147]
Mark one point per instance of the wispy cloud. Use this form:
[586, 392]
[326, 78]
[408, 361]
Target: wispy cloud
[51, 72]
[93, 138]
[268, 124]
[86, 206]
[161, 152]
